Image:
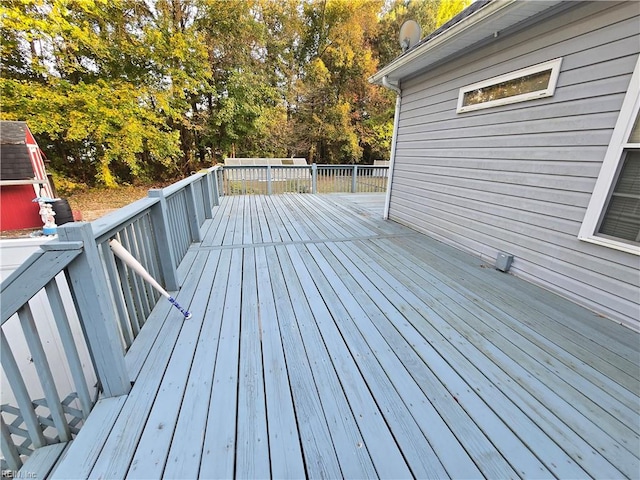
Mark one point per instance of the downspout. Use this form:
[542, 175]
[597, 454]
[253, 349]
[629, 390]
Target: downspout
[394, 138]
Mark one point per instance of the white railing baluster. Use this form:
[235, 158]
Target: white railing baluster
[191, 211]
[69, 346]
[44, 372]
[127, 293]
[136, 282]
[21, 393]
[9, 450]
[89, 289]
[314, 178]
[354, 179]
[151, 254]
[139, 253]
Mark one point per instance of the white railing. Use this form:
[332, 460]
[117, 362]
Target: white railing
[78, 279]
[271, 179]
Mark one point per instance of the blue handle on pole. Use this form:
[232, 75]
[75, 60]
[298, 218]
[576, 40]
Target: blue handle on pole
[187, 315]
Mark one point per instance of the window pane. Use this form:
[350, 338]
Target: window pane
[622, 219]
[530, 83]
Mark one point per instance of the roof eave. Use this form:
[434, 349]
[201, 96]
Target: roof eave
[481, 25]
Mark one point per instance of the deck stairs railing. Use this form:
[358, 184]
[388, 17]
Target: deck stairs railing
[82, 282]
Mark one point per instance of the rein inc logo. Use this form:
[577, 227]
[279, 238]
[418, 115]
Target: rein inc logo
[18, 474]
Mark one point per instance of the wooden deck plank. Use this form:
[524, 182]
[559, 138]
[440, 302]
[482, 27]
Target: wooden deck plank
[215, 230]
[497, 326]
[89, 442]
[250, 234]
[541, 403]
[294, 222]
[320, 456]
[353, 453]
[140, 348]
[488, 407]
[252, 449]
[119, 448]
[327, 222]
[507, 292]
[284, 439]
[490, 440]
[184, 456]
[40, 462]
[385, 454]
[265, 232]
[235, 218]
[153, 447]
[276, 225]
[219, 446]
[590, 330]
[407, 411]
[328, 343]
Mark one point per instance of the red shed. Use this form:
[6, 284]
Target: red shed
[22, 177]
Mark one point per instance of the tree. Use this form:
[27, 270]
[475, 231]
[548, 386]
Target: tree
[122, 90]
[92, 81]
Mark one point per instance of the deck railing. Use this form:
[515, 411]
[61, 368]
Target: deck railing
[79, 279]
[110, 302]
[269, 179]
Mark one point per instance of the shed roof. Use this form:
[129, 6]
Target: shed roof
[477, 25]
[12, 132]
[15, 161]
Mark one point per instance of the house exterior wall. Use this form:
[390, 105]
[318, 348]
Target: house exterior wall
[518, 178]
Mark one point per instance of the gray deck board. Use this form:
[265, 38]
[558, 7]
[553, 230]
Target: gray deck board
[543, 316]
[538, 358]
[507, 374]
[328, 343]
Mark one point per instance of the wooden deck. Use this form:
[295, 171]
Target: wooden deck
[326, 342]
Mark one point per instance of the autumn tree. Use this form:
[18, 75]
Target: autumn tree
[123, 90]
[89, 87]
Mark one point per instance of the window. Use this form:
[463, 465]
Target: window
[613, 214]
[538, 81]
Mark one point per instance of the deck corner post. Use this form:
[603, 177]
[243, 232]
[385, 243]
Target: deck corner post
[207, 197]
[90, 292]
[166, 257]
[220, 181]
[192, 213]
[354, 179]
[215, 189]
[269, 180]
[314, 178]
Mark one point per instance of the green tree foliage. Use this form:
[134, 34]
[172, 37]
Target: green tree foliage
[122, 90]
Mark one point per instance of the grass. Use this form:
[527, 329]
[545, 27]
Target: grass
[96, 202]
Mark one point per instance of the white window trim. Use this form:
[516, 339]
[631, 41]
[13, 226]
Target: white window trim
[609, 170]
[548, 92]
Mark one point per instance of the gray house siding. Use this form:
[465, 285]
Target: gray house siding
[518, 178]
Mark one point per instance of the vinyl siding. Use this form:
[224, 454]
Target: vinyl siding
[518, 178]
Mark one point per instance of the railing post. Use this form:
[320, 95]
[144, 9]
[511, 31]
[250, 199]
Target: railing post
[221, 178]
[314, 178]
[91, 293]
[160, 222]
[354, 178]
[215, 187]
[192, 214]
[206, 193]
[268, 179]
